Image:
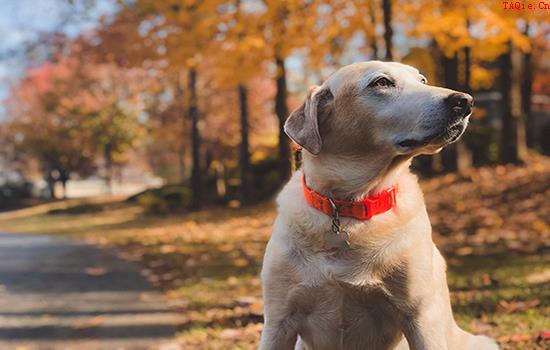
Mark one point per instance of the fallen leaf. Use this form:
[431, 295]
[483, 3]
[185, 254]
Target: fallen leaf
[544, 335]
[94, 322]
[95, 271]
[538, 277]
[508, 307]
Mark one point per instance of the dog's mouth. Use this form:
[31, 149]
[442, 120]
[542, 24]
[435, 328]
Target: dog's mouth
[448, 135]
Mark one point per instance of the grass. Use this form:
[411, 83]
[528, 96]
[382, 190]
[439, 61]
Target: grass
[208, 262]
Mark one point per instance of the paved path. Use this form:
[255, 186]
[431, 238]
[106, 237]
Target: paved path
[60, 294]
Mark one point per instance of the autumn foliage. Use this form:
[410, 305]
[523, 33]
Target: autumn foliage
[198, 91]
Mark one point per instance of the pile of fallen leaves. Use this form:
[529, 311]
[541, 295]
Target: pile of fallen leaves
[492, 208]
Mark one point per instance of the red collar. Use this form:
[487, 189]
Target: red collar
[361, 210]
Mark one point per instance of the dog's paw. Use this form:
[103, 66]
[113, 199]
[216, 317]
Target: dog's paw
[481, 342]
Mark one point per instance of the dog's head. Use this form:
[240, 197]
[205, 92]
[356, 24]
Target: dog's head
[385, 106]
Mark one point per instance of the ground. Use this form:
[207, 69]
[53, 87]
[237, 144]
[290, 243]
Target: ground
[492, 225]
[61, 294]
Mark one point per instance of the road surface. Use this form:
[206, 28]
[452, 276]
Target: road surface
[62, 294]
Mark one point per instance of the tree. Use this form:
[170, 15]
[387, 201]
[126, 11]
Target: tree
[526, 93]
[244, 157]
[42, 126]
[193, 114]
[281, 110]
[180, 33]
[284, 23]
[535, 27]
[113, 98]
[370, 29]
[68, 114]
[388, 29]
[245, 28]
[512, 145]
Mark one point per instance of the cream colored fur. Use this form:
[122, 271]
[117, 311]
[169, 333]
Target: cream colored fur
[388, 291]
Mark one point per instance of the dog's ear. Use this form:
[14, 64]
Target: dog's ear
[302, 126]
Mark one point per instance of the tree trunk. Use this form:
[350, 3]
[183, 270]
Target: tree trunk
[181, 163]
[50, 185]
[221, 188]
[193, 114]
[244, 160]
[450, 71]
[62, 177]
[464, 156]
[372, 36]
[181, 109]
[281, 109]
[518, 112]
[63, 181]
[108, 157]
[508, 152]
[388, 29]
[207, 165]
[526, 93]
[467, 70]
[511, 148]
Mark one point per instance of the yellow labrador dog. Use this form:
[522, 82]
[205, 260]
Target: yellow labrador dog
[351, 263]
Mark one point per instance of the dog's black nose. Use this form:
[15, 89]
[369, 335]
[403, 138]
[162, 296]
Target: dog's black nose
[460, 103]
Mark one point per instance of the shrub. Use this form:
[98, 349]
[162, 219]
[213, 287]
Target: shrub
[164, 200]
[13, 193]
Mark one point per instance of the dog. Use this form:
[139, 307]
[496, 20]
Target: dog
[351, 263]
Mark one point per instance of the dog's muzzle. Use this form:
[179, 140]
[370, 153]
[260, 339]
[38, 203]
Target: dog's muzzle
[459, 106]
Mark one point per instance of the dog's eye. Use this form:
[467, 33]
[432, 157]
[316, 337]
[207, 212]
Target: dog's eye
[424, 80]
[382, 82]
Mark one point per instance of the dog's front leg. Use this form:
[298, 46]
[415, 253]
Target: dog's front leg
[435, 328]
[278, 335]
[421, 297]
[427, 330]
[280, 330]
[428, 322]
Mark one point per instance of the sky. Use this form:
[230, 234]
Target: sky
[23, 21]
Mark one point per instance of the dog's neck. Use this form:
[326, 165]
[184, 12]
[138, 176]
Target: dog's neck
[351, 178]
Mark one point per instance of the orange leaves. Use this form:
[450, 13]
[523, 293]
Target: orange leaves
[509, 307]
[455, 25]
[505, 204]
[482, 78]
[537, 341]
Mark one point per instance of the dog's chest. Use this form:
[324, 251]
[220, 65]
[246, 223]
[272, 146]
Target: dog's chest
[339, 316]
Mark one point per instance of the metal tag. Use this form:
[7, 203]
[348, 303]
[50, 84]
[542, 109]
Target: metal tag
[334, 241]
